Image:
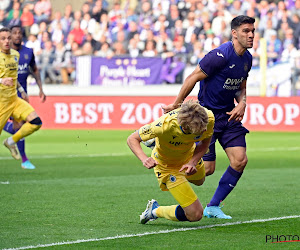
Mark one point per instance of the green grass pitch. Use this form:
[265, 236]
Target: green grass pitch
[88, 190]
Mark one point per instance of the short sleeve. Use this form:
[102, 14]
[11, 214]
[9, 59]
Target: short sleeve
[212, 62]
[151, 130]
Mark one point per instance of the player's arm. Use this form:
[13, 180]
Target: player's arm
[188, 85]
[36, 74]
[134, 143]
[238, 112]
[22, 91]
[200, 150]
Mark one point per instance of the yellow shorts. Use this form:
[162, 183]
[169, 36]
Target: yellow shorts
[19, 110]
[177, 183]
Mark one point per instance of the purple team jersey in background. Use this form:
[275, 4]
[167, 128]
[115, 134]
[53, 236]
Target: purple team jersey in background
[225, 70]
[26, 59]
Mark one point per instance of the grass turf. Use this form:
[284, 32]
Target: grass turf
[88, 185]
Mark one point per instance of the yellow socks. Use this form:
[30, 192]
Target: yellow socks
[26, 129]
[167, 212]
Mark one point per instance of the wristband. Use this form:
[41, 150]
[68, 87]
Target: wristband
[21, 89]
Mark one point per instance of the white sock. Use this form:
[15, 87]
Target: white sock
[10, 141]
[154, 212]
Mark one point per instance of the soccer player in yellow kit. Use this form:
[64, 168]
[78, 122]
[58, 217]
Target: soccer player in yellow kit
[10, 104]
[176, 159]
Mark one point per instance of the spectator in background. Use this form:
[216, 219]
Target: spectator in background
[115, 12]
[34, 44]
[42, 11]
[95, 44]
[150, 49]
[87, 49]
[3, 21]
[275, 42]
[57, 34]
[67, 19]
[85, 8]
[119, 49]
[162, 39]
[191, 28]
[132, 30]
[105, 51]
[197, 53]
[88, 24]
[16, 20]
[133, 49]
[68, 65]
[131, 16]
[4, 5]
[235, 8]
[16, 7]
[173, 16]
[45, 63]
[295, 10]
[161, 22]
[27, 20]
[145, 12]
[57, 19]
[77, 32]
[30, 4]
[289, 38]
[101, 28]
[98, 10]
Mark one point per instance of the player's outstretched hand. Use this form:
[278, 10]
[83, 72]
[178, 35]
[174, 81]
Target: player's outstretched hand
[237, 113]
[42, 96]
[168, 108]
[8, 81]
[150, 163]
[189, 169]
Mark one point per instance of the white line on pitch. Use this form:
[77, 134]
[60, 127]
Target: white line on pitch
[126, 154]
[69, 156]
[152, 233]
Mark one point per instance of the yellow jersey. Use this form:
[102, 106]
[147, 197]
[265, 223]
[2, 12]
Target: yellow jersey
[173, 147]
[9, 68]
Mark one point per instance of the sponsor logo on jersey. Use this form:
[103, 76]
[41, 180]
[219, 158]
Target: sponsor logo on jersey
[197, 137]
[232, 66]
[233, 84]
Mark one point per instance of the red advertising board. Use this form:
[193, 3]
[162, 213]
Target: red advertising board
[131, 112]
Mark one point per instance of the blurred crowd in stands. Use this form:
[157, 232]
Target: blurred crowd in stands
[181, 32]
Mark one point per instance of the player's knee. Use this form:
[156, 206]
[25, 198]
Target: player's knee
[37, 122]
[198, 182]
[209, 168]
[240, 164]
[195, 216]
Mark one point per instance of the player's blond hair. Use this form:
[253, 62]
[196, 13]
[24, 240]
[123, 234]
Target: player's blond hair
[192, 117]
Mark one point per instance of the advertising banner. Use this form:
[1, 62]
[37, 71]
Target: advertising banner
[125, 71]
[131, 112]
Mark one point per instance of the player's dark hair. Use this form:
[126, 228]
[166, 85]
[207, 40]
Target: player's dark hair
[239, 20]
[5, 29]
[16, 26]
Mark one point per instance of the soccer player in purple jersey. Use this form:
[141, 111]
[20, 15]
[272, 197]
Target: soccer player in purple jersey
[27, 66]
[223, 74]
